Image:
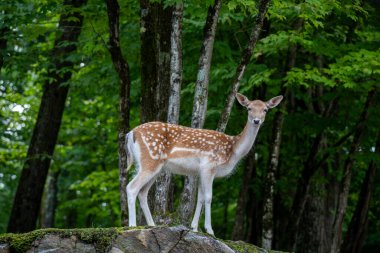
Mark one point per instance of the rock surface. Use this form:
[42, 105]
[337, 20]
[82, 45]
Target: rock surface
[154, 239]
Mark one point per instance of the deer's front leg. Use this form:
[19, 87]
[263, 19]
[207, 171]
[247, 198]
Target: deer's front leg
[198, 209]
[206, 180]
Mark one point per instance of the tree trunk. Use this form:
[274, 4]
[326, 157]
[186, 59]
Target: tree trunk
[347, 172]
[245, 59]
[203, 76]
[270, 181]
[3, 45]
[356, 230]
[238, 232]
[175, 65]
[311, 166]
[164, 180]
[200, 103]
[47, 219]
[311, 228]
[27, 200]
[332, 188]
[155, 60]
[156, 31]
[122, 69]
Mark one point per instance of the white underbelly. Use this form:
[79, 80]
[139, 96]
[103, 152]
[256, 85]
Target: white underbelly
[183, 166]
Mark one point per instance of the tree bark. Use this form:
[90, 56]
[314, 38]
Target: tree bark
[200, 103]
[155, 60]
[122, 69]
[27, 200]
[48, 217]
[204, 64]
[164, 180]
[347, 172]
[245, 59]
[156, 31]
[175, 65]
[270, 181]
[332, 188]
[312, 226]
[356, 230]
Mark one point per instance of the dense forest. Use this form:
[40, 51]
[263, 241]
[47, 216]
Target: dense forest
[77, 75]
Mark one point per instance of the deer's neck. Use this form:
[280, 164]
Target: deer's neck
[245, 140]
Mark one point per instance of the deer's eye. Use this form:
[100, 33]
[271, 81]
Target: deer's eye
[265, 110]
[248, 109]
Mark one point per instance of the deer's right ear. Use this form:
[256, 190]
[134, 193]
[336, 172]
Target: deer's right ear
[243, 100]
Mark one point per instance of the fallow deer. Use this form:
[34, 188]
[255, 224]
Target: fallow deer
[188, 151]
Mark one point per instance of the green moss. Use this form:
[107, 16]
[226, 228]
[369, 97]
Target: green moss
[101, 238]
[243, 247]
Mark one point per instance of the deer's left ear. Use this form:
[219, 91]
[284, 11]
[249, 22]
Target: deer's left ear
[273, 102]
[243, 100]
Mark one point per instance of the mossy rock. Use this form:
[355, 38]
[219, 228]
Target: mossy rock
[138, 239]
[101, 238]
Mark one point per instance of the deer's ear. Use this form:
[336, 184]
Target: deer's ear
[243, 100]
[273, 102]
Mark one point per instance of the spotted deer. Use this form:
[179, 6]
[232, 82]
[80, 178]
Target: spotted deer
[188, 151]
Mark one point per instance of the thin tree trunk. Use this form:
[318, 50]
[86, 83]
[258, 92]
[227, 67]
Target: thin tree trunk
[122, 69]
[3, 45]
[48, 217]
[203, 76]
[164, 180]
[355, 234]
[245, 59]
[200, 103]
[27, 200]
[175, 65]
[238, 232]
[270, 181]
[347, 172]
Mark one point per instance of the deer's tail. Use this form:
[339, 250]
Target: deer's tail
[128, 149]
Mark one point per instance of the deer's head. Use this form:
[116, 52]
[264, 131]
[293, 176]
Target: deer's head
[257, 109]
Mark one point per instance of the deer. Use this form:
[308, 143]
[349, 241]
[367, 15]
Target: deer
[182, 150]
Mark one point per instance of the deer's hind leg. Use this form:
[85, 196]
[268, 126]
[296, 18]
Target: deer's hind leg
[144, 178]
[143, 198]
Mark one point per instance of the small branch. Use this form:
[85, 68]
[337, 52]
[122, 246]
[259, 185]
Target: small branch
[245, 59]
[99, 35]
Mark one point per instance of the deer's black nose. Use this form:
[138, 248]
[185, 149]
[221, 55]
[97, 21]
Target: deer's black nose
[256, 121]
